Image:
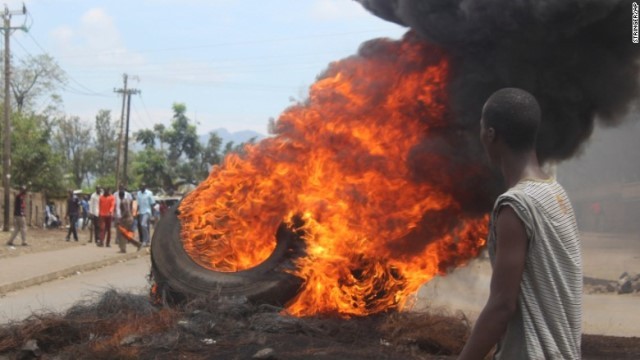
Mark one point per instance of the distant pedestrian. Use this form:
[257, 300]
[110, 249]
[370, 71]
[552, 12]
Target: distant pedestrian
[107, 204]
[127, 196]
[73, 213]
[146, 201]
[19, 223]
[52, 221]
[596, 210]
[84, 203]
[94, 214]
[124, 223]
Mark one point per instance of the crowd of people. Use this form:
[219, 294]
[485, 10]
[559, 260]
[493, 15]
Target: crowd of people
[103, 211]
[127, 213]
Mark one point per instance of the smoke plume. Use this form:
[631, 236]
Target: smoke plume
[575, 56]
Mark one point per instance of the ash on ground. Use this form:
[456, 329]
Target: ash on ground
[119, 325]
[125, 326]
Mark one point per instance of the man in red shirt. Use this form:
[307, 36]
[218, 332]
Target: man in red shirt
[107, 205]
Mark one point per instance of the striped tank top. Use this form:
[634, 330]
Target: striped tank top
[548, 320]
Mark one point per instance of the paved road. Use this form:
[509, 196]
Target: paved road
[60, 294]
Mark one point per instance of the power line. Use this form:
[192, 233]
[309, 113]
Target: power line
[89, 91]
[65, 87]
[236, 43]
[144, 105]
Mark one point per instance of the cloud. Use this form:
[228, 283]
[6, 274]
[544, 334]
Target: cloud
[337, 10]
[95, 40]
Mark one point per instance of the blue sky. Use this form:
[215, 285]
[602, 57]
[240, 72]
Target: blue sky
[233, 63]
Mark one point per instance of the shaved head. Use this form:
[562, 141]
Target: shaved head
[514, 114]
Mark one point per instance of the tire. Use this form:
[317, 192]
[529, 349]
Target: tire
[179, 278]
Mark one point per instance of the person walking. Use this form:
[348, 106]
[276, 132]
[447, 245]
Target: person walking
[84, 205]
[534, 310]
[127, 196]
[73, 213]
[94, 214]
[146, 201]
[124, 223]
[19, 221]
[107, 204]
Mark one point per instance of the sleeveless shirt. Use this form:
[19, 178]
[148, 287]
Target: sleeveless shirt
[548, 320]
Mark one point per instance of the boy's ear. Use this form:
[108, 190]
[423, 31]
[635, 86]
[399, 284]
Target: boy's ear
[491, 134]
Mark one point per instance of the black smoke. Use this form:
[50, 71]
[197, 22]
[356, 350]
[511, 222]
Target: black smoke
[575, 56]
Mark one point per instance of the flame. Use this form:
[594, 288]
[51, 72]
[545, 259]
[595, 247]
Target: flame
[339, 161]
[128, 234]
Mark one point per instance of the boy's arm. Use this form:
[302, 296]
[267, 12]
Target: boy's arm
[511, 250]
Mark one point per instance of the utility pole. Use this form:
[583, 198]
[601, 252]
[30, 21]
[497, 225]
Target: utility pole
[124, 136]
[124, 99]
[6, 153]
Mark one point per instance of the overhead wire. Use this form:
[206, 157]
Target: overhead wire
[193, 70]
[236, 43]
[149, 124]
[87, 91]
[144, 105]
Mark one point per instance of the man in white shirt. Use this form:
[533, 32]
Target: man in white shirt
[94, 213]
[127, 196]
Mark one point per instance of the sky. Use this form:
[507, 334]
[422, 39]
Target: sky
[233, 63]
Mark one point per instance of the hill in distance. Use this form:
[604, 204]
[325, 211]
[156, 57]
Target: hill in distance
[237, 137]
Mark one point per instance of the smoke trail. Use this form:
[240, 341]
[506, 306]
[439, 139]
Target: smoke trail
[575, 56]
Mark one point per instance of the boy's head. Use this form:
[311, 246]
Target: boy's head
[509, 123]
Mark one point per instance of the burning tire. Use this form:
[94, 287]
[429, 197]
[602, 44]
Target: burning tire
[178, 277]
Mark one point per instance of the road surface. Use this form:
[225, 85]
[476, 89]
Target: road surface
[60, 294]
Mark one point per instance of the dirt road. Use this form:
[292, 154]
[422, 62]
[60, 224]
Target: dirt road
[604, 257]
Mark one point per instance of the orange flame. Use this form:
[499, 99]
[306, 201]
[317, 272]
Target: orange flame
[128, 234]
[340, 162]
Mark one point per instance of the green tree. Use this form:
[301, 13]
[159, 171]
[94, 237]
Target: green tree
[106, 144]
[180, 157]
[147, 138]
[180, 152]
[72, 140]
[181, 137]
[211, 154]
[33, 78]
[150, 167]
[33, 160]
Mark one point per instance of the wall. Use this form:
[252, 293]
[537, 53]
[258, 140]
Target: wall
[34, 209]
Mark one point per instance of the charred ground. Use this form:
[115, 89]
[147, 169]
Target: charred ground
[125, 326]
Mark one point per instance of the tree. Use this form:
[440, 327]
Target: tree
[180, 157]
[106, 144]
[147, 138]
[150, 167]
[34, 163]
[35, 77]
[211, 154]
[72, 140]
[181, 137]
